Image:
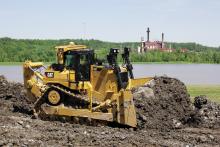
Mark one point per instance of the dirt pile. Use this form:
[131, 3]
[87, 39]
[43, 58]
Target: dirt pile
[165, 104]
[206, 113]
[162, 104]
[15, 96]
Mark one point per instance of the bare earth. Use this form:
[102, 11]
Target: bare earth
[166, 117]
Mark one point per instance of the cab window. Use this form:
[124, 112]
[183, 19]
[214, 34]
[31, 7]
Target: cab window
[69, 61]
[83, 59]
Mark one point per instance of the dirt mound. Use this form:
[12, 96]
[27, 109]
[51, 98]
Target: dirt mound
[162, 104]
[206, 113]
[156, 108]
[15, 95]
[165, 104]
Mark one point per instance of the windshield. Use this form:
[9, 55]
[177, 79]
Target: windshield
[69, 60]
[84, 59]
[76, 59]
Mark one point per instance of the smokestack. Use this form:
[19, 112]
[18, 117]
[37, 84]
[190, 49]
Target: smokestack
[148, 34]
[162, 40]
[162, 37]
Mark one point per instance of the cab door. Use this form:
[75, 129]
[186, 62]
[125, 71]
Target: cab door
[70, 66]
[83, 67]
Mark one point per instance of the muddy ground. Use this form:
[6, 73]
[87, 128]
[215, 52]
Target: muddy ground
[166, 117]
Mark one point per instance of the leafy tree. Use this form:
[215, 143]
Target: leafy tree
[19, 50]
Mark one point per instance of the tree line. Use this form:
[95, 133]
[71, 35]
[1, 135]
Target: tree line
[19, 50]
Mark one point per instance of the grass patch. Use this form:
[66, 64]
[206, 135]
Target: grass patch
[212, 91]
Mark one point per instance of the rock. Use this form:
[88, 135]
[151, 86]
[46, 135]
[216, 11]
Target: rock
[1, 95]
[177, 124]
[20, 122]
[123, 137]
[1, 142]
[142, 117]
[144, 92]
[211, 137]
[27, 126]
[199, 101]
[202, 138]
[102, 133]
[151, 84]
[71, 137]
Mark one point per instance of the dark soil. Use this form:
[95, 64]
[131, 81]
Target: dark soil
[206, 113]
[168, 105]
[166, 117]
[15, 93]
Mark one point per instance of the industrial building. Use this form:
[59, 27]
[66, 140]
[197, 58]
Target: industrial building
[155, 45]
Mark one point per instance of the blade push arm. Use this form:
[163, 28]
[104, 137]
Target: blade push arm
[127, 62]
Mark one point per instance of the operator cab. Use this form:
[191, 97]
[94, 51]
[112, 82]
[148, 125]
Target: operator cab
[79, 61]
[76, 58]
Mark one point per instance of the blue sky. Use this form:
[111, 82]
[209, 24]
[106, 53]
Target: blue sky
[112, 20]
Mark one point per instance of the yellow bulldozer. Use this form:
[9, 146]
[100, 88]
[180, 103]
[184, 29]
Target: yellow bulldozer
[80, 85]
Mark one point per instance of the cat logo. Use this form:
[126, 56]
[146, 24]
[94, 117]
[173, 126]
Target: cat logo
[49, 74]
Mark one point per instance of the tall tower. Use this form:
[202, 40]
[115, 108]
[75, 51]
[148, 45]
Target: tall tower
[148, 34]
[162, 42]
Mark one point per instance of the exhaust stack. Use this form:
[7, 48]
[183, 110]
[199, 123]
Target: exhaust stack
[162, 42]
[148, 34]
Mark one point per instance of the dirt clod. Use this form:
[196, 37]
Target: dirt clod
[206, 113]
[200, 100]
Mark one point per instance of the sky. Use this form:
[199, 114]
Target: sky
[112, 20]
